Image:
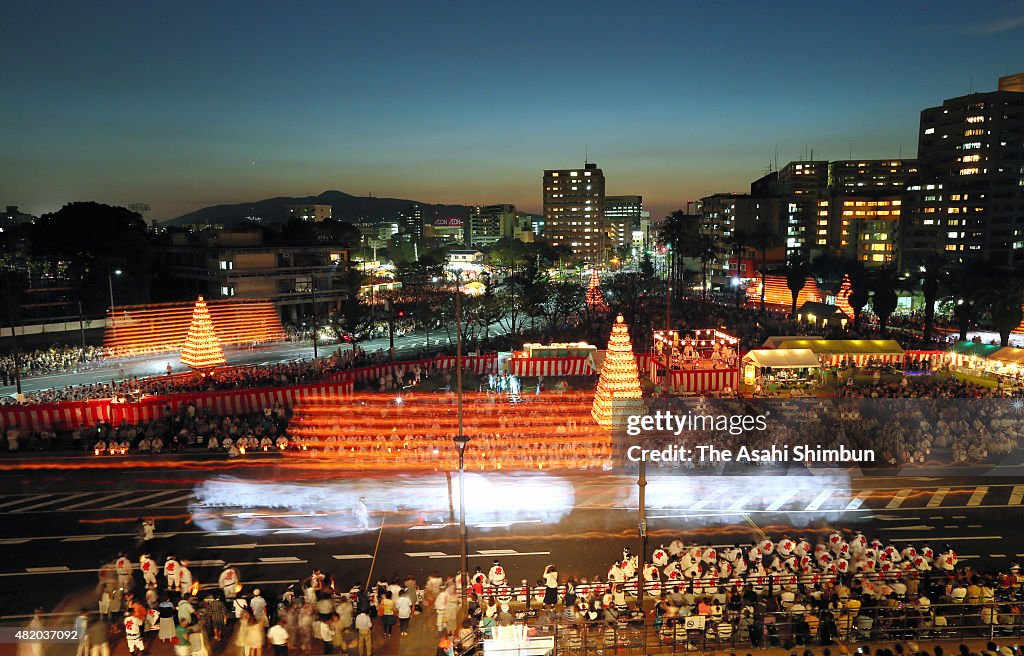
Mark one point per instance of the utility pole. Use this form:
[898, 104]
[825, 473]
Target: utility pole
[312, 291]
[14, 333]
[642, 485]
[81, 328]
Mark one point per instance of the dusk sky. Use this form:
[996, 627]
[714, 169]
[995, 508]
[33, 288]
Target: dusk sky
[188, 104]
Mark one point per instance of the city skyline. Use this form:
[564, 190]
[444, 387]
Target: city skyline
[202, 106]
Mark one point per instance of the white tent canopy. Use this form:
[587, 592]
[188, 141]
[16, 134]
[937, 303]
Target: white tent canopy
[782, 358]
[776, 341]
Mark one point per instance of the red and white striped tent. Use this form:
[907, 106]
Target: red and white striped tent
[860, 352]
[694, 381]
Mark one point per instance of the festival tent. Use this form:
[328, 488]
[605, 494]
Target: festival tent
[782, 358]
[968, 354]
[1009, 355]
[859, 351]
[776, 341]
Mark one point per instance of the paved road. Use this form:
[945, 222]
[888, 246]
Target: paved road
[271, 354]
[275, 524]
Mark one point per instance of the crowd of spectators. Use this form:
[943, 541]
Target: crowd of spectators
[58, 358]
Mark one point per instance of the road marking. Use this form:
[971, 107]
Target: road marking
[742, 501]
[83, 538]
[91, 501]
[352, 557]
[1016, 495]
[14, 540]
[494, 525]
[820, 500]
[121, 504]
[937, 498]
[287, 531]
[253, 545]
[926, 538]
[281, 559]
[427, 527]
[170, 501]
[51, 501]
[701, 503]
[507, 555]
[919, 527]
[979, 494]
[898, 500]
[46, 570]
[496, 552]
[858, 500]
[29, 498]
[997, 555]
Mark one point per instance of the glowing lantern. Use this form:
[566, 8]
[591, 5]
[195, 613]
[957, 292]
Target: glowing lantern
[618, 389]
[201, 350]
[595, 299]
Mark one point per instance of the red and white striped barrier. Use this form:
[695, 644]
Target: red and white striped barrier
[861, 359]
[71, 414]
[550, 367]
[696, 381]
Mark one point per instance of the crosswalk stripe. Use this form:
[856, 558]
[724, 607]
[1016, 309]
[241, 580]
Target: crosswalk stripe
[170, 501]
[121, 504]
[1016, 495]
[92, 501]
[979, 494]
[820, 500]
[898, 500]
[700, 504]
[858, 501]
[781, 500]
[937, 498]
[742, 501]
[24, 499]
[50, 502]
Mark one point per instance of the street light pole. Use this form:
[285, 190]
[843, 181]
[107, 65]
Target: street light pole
[312, 290]
[460, 441]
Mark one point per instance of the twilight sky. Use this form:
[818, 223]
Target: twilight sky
[188, 104]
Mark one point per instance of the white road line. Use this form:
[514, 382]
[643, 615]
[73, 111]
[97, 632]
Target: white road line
[14, 540]
[742, 501]
[423, 554]
[979, 494]
[427, 527]
[287, 531]
[50, 502]
[92, 501]
[858, 500]
[29, 498]
[937, 498]
[496, 552]
[281, 559]
[701, 503]
[83, 538]
[1016, 495]
[820, 500]
[170, 501]
[253, 545]
[42, 570]
[494, 525]
[926, 538]
[121, 504]
[352, 557]
[997, 555]
[780, 500]
[522, 553]
[898, 500]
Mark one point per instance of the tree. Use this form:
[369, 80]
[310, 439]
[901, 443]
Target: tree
[679, 231]
[931, 270]
[739, 244]
[705, 251]
[1004, 296]
[763, 238]
[566, 300]
[962, 287]
[885, 284]
[797, 271]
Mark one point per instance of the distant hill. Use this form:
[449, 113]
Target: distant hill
[344, 207]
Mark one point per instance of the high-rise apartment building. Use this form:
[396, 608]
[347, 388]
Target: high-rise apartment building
[574, 211]
[802, 185]
[410, 223]
[967, 199]
[622, 216]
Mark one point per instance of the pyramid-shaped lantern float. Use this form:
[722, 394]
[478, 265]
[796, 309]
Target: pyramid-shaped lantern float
[843, 296]
[201, 350]
[594, 298]
[618, 390]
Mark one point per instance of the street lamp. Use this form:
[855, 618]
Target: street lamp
[461, 441]
[110, 284]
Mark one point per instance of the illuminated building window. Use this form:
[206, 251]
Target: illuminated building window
[975, 119]
[970, 171]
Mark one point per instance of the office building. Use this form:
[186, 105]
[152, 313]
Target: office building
[237, 264]
[410, 223]
[574, 211]
[967, 199]
[864, 205]
[487, 223]
[622, 216]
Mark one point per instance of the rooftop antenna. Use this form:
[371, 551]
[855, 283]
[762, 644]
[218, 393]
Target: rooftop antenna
[776, 157]
[901, 152]
[586, 155]
[971, 90]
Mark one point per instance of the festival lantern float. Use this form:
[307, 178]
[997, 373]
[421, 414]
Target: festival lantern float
[201, 350]
[618, 389]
